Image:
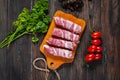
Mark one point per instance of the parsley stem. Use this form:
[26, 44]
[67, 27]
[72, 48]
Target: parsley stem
[5, 42]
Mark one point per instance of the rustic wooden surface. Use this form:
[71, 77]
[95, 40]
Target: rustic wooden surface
[16, 60]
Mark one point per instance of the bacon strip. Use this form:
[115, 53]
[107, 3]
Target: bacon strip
[69, 25]
[65, 35]
[61, 43]
[58, 51]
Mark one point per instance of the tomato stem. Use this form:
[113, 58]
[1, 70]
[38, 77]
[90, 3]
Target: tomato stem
[87, 65]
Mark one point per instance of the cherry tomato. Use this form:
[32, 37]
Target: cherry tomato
[96, 42]
[90, 57]
[99, 49]
[98, 56]
[96, 35]
[92, 48]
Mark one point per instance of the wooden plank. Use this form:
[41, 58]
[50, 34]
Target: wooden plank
[17, 57]
[3, 29]
[110, 28]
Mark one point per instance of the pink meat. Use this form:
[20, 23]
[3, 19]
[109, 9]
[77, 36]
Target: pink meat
[58, 51]
[69, 25]
[61, 43]
[65, 35]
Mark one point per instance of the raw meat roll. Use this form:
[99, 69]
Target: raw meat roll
[69, 25]
[65, 35]
[58, 51]
[61, 43]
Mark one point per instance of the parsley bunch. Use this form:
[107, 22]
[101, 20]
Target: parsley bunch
[29, 22]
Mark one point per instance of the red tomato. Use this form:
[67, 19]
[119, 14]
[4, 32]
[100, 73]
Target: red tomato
[96, 35]
[96, 42]
[92, 48]
[90, 57]
[99, 49]
[98, 56]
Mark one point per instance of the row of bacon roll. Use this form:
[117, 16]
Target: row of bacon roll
[64, 38]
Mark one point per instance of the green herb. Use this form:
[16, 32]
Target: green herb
[35, 39]
[29, 22]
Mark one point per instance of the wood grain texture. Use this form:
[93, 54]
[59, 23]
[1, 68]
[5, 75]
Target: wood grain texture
[101, 15]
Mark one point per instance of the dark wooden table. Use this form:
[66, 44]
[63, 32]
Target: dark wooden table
[101, 15]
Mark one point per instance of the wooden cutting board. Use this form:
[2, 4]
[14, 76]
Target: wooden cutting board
[58, 61]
